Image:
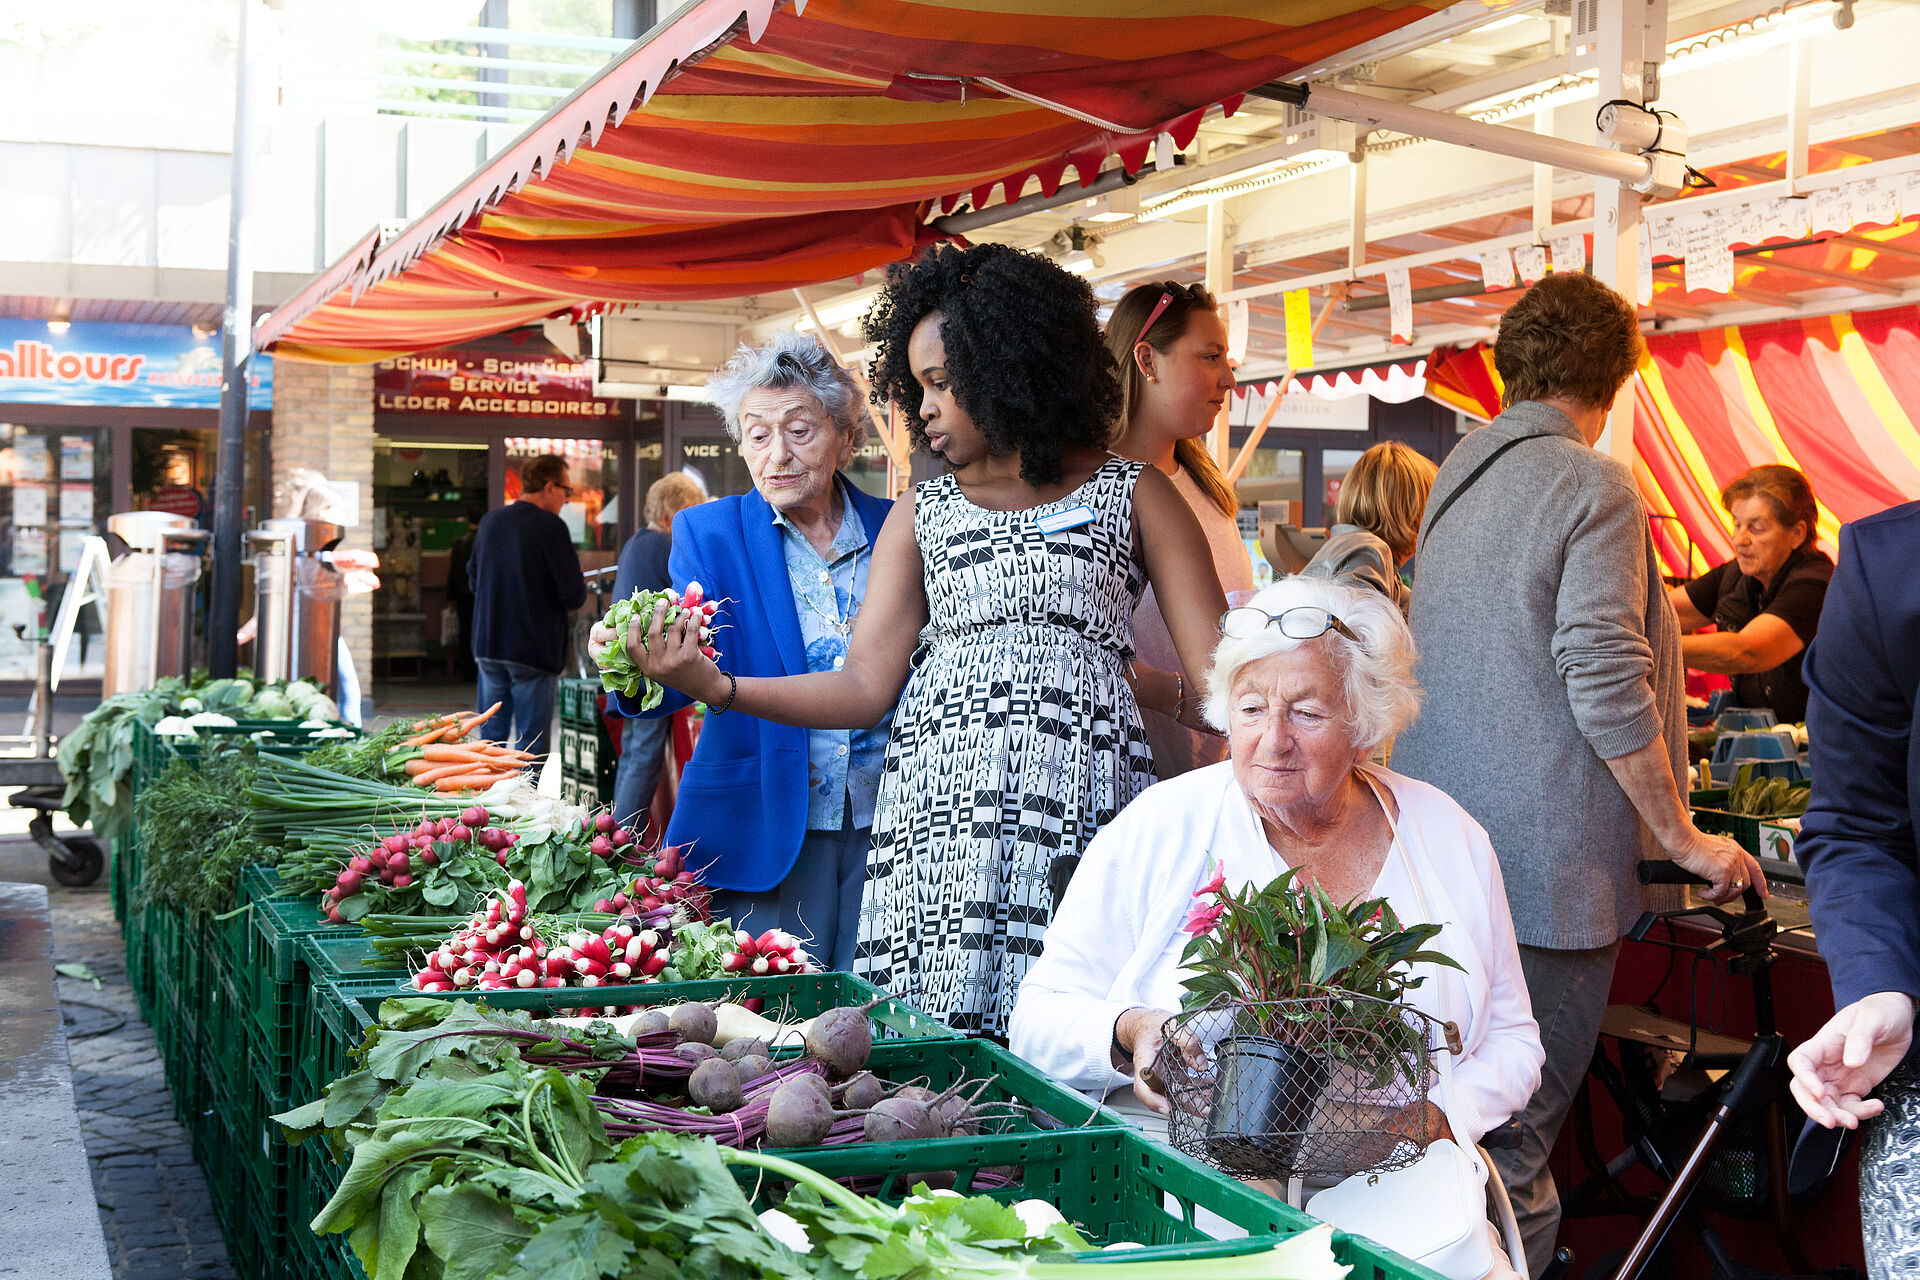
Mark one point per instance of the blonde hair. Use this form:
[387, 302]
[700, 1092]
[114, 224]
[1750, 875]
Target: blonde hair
[1124, 333]
[1382, 695]
[1385, 493]
[669, 496]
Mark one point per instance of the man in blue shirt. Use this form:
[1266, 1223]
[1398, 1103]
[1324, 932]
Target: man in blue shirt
[526, 583]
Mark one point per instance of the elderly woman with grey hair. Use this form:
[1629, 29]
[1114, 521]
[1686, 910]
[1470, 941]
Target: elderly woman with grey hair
[1309, 677]
[779, 818]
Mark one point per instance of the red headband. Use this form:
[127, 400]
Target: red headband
[1166, 300]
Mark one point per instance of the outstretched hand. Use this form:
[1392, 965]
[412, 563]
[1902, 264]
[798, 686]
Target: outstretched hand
[1835, 1070]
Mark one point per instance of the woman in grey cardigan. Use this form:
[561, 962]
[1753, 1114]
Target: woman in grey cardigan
[1551, 661]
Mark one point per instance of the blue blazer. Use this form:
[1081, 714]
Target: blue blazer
[743, 797]
[1857, 839]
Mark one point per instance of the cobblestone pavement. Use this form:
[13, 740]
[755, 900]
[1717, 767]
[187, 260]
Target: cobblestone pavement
[154, 1206]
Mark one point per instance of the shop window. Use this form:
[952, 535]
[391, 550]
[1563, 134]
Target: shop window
[1334, 465]
[593, 468]
[426, 495]
[55, 490]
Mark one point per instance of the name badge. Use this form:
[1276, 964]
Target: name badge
[1061, 521]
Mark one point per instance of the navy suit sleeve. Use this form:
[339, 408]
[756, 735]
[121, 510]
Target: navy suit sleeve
[1857, 839]
[568, 582]
[684, 565]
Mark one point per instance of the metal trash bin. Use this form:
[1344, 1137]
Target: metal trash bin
[297, 600]
[150, 594]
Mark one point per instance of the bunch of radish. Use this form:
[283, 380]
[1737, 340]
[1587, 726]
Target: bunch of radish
[607, 838]
[773, 953]
[396, 861]
[617, 956]
[497, 950]
[617, 670]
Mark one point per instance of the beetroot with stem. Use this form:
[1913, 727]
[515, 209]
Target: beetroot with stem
[863, 1091]
[842, 1039]
[746, 1047]
[715, 1085]
[651, 1022]
[800, 1113]
[695, 1052]
[752, 1066]
[694, 1022]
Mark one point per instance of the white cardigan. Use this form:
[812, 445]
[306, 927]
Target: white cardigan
[1116, 938]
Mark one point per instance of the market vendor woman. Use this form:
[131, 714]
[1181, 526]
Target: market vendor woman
[1766, 600]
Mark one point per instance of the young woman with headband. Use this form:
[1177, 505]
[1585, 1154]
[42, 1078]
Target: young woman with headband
[1170, 346]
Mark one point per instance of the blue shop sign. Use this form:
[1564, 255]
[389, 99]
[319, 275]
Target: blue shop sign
[129, 365]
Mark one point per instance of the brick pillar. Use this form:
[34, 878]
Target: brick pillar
[323, 421]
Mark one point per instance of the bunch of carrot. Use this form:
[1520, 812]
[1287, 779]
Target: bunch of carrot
[439, 756]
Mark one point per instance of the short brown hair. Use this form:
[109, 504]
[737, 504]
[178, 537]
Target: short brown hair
[1385, 493]
[542, 471]
[1569, 338]
[1785, 490]
[669, 496]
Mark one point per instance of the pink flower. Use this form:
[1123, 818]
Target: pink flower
[1202, 919]
[1216, 885]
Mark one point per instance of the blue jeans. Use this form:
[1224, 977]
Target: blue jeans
[818, 902]
[643, 745]
[528, 694]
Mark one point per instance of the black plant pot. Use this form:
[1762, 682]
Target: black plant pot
[1263, 1096]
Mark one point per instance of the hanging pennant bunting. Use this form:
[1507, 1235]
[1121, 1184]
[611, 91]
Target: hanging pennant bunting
[1643, 281]
[1875, 202]
[1531, 259]
[1832, 211]
[1298, 307]
[1496, 270]
[1237, 324]
[1569, 252]
[1709, 255]
[1400, 306]
[1786, 219]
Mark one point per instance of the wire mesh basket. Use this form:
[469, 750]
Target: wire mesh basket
[1321, 1087]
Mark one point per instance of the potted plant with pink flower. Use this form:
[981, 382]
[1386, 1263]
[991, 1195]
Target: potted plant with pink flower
[1298, 981]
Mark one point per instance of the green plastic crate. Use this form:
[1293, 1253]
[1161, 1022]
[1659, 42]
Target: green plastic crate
[347, 957]
[276, 971]
[336, 1023]
[318, 1175]
[1739, 827]
[790, 998]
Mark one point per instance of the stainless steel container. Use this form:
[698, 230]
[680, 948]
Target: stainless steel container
[150, 592]
[297, 600]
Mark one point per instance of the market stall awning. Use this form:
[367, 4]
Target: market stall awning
[1836, 396]
[753, 149]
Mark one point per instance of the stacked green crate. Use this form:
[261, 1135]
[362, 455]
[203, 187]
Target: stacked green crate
[588, 760]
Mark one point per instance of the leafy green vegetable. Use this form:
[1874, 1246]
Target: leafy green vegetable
[617, 672]
[196, 829]
[1759, 797]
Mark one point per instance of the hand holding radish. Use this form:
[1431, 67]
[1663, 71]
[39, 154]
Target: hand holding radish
[671, 654]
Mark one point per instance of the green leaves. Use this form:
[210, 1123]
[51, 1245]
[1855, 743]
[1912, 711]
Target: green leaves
[617, 672]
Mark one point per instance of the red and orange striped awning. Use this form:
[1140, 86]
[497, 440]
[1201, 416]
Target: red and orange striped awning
[754, 147]
[1837, 397]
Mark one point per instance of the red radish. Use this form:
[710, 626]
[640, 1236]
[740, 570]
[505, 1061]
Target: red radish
[475, 817]
[601, 847]
[403, 881]
[622, 836]
[605, 824]
[349, 881]
[459, 834]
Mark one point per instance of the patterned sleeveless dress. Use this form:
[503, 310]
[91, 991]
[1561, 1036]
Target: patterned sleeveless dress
[1017, 740]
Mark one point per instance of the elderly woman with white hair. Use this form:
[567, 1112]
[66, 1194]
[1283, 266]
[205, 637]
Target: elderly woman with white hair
[779, 819]
[1308, 678]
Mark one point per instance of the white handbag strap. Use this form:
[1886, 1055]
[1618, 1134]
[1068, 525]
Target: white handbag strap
[1443, 1053]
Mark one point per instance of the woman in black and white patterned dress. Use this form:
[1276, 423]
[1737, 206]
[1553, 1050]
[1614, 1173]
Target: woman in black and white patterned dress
[1001, 601]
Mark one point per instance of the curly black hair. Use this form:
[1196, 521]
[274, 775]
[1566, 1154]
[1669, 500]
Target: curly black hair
[1025, 354]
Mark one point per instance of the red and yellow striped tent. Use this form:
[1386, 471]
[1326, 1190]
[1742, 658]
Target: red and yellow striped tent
[1837, 397]
[753, 148]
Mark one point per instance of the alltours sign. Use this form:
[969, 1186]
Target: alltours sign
[133, 365]
[488, 384]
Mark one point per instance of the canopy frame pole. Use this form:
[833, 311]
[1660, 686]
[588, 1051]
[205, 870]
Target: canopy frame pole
[236, 346]
[1631, 32]
[1221, 233]
[895, 454]
[1799, 107]
[1240, 461]
[1444, 126]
